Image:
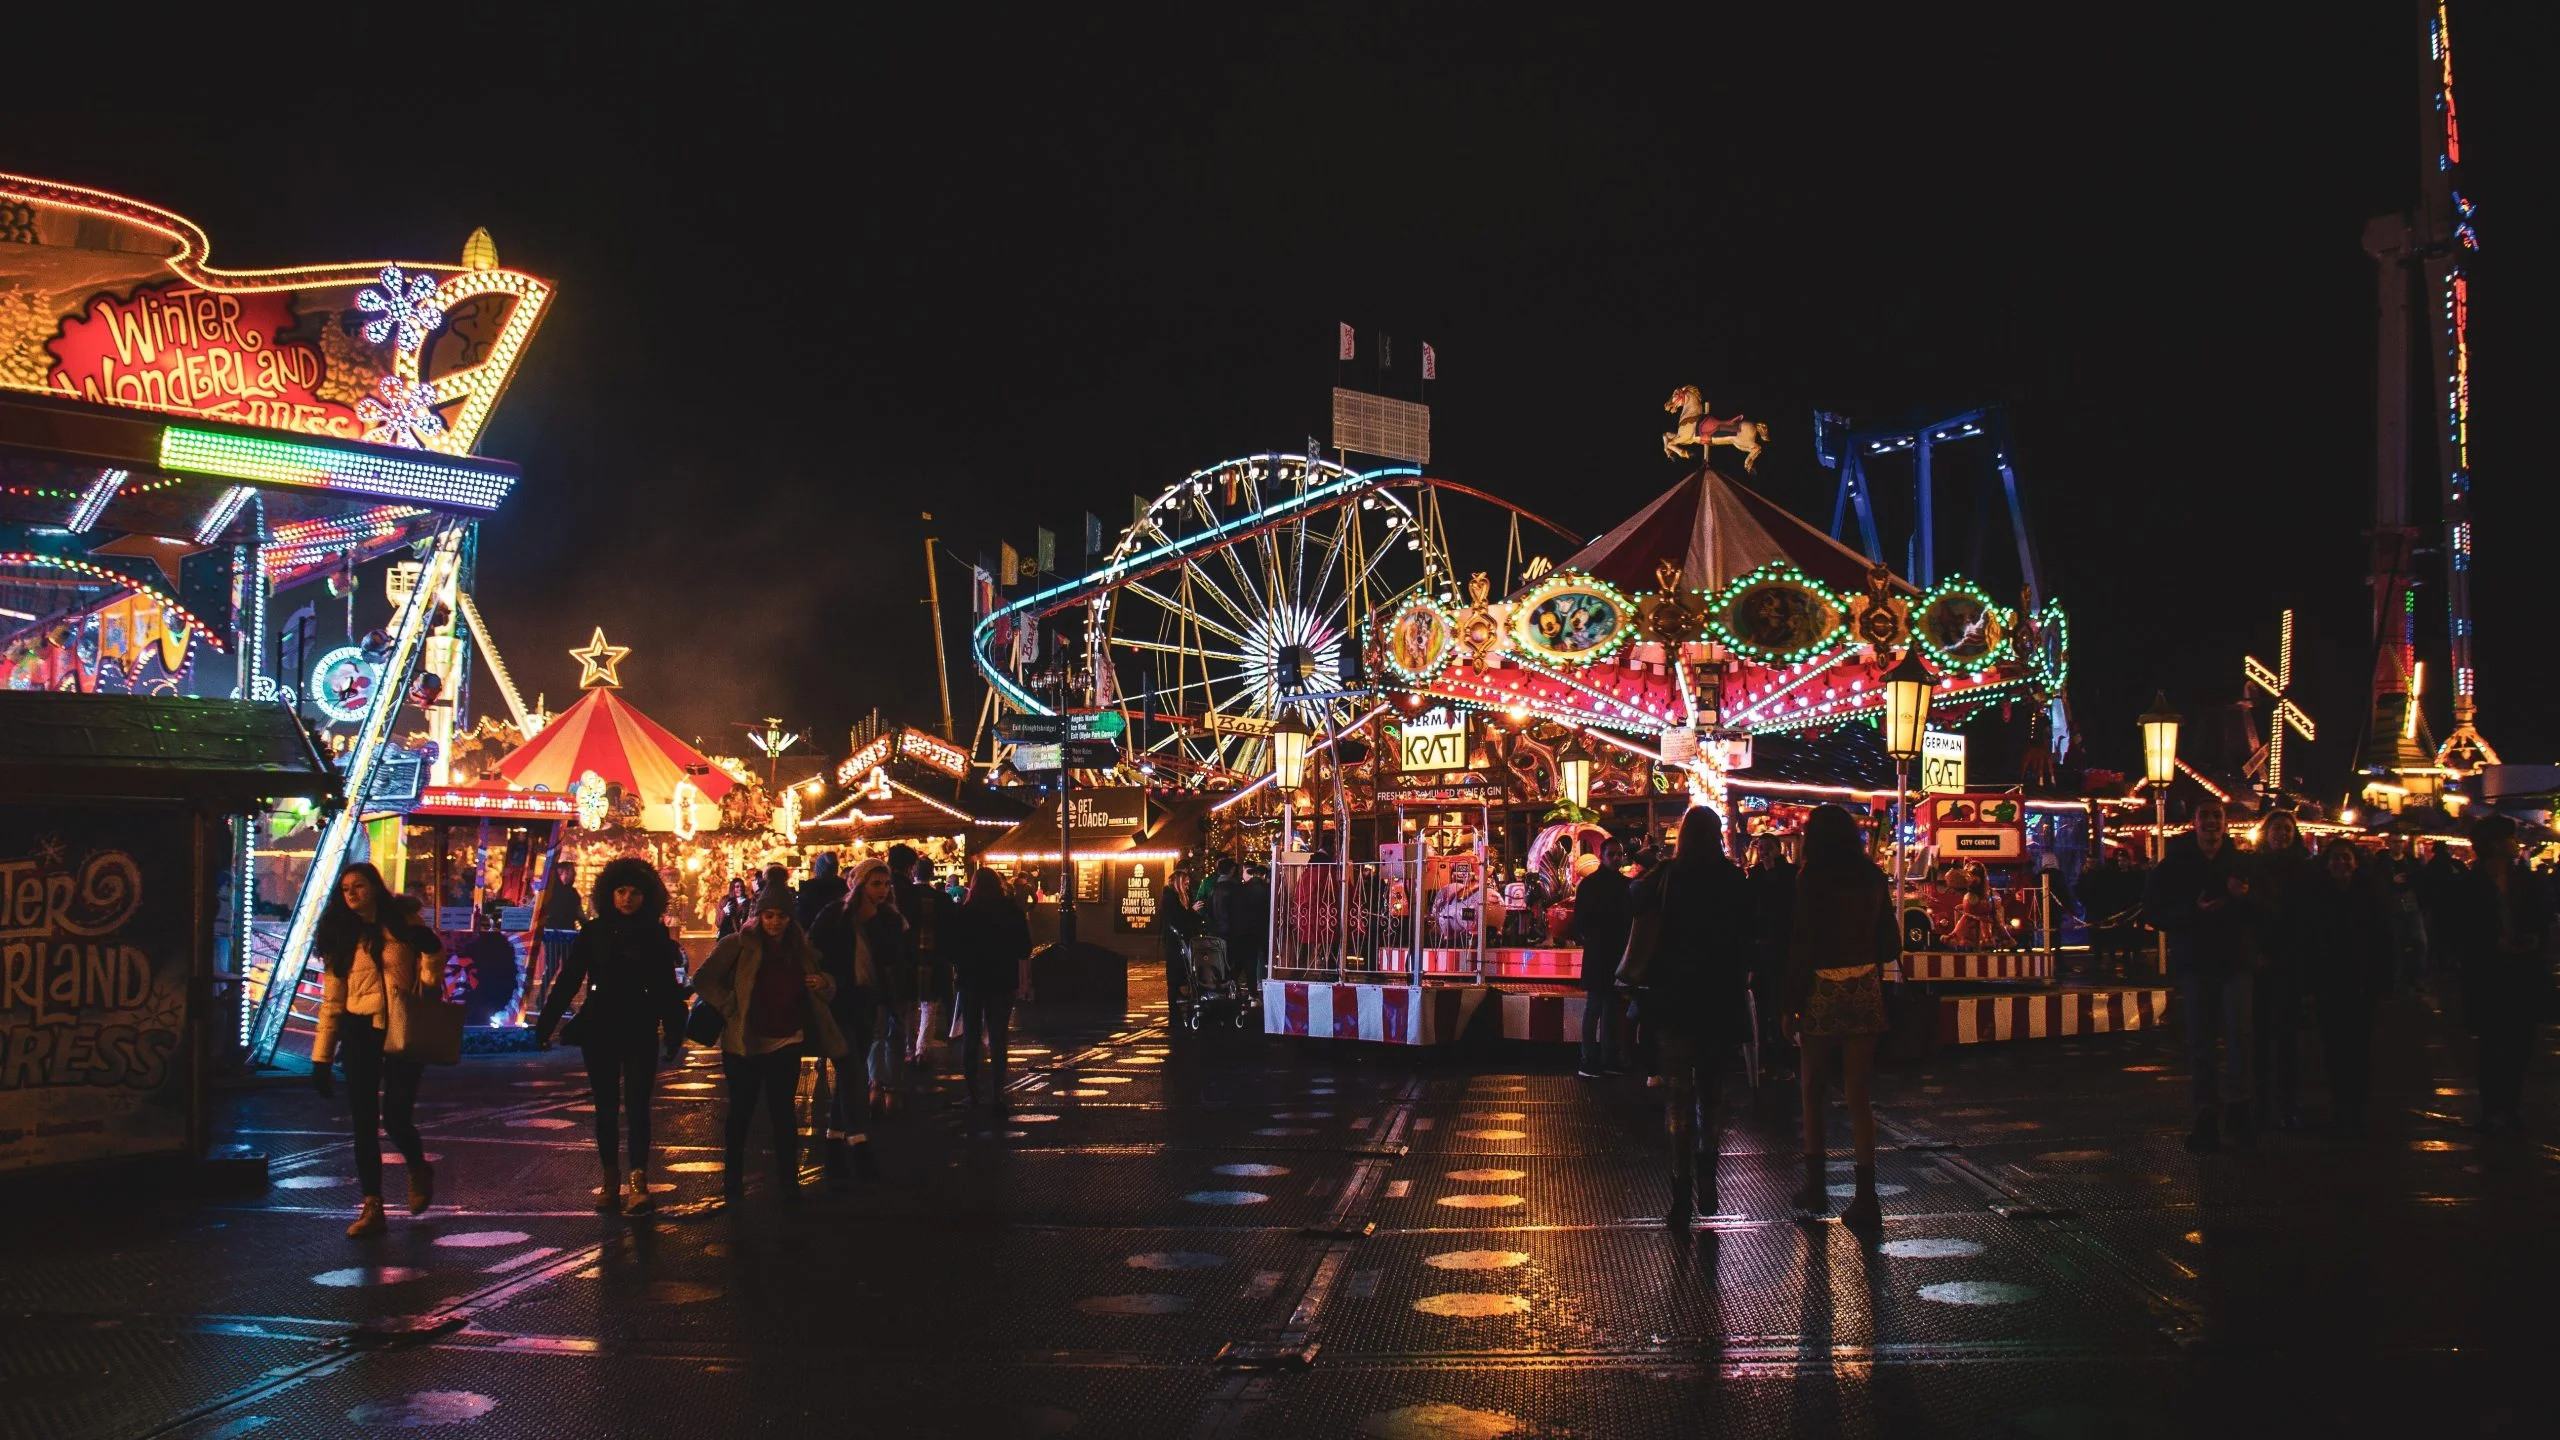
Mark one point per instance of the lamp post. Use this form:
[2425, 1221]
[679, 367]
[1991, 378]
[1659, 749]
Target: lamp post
[1289, 741]
[1906, 720]
[2159, 767]
[1573, 771]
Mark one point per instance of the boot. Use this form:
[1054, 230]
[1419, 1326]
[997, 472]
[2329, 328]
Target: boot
[636, 1199]
[1864, 1215]
[422, 1187]
[369, 1219]
[2206, 1138]
[2236, 1118]
[1678, 1218]
[865, 1166]
[1708, 1201]
[609, 1194]
[1815, 1198]
[838, 1168]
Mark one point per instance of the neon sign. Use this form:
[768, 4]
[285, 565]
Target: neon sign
[178, 348]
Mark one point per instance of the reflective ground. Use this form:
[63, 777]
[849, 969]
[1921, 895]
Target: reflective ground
[1232, 1236]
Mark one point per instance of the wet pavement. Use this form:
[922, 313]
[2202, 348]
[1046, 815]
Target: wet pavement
[1228, 1235]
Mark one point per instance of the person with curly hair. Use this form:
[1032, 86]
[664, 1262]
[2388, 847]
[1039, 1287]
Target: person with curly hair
[632, 970]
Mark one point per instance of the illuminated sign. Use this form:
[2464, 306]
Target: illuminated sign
[1434, 747]
[1978, 827]
[178, 348]
[1217, 724]
[865, 760]
[419, 476]
[342, 684]
[112, 301]
[1099, 811]
[1941, 763]
[933, 752]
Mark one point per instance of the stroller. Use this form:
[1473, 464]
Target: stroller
[1216, 998]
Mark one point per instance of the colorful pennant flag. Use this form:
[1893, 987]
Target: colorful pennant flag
[1008, 565]
[1350, 347]
[1430, 362]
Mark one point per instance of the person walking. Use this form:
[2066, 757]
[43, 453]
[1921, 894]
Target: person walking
[2341, 935]
[2200, 895]
[1249, 926]
[2286, 875]
[1693, 998]
[2501, 932]
[633, 1017]
[989, 937]
[375, 954]
[766, 983]
[926, 980]
[1843, 937]
[824, 887]
[861, 938]
[1600, 919]
[737, 908]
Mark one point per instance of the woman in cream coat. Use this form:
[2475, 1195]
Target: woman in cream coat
[376, 956]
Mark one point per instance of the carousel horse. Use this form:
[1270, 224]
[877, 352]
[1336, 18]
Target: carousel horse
[1699, 430]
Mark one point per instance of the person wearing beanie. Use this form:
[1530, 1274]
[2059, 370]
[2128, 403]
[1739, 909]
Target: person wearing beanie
[1843, 937]
[632, 970]
[772, 997]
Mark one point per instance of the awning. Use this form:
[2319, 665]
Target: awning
[231, 753]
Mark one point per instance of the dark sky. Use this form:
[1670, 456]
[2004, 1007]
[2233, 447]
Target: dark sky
[815, 277]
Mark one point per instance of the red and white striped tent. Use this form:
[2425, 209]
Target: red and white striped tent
[606, 734]
[1719, 530]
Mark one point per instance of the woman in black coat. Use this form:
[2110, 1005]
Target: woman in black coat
[861, 941]
[633, 972]
[990, 939]
[2341, 940]
[1694, 997]
[2500, 927]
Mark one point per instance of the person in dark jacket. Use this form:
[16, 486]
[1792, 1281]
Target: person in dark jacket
[1249, 925]
[737, 908]
[2341, 941]
[861, 939]
[2203, 898]
[1694, 997]
[775, 1004]
[633, 1016]
[1600, 922]
[1843, 936]
[927, 979]
[2286, 875]
[989, 939]
[826, 886]
[2500, 926]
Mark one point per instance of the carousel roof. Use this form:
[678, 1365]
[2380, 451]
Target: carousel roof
[1719, 531]
[606, 734]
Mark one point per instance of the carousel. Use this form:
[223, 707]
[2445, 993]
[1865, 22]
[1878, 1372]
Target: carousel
[1441, 753]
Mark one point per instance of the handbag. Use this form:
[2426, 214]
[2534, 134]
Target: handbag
[426, 1029]
[1644, 936]
[704, 1024]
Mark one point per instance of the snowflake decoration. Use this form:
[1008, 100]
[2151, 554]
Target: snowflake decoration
[407, 305]
[405, 415]
[49, 850]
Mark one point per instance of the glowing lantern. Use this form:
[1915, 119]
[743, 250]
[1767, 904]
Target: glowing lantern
[1289, 740]
[2160, 741]
[1906, 707]
[1573, 771]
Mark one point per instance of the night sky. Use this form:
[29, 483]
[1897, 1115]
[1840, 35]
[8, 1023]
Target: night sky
[815, 281]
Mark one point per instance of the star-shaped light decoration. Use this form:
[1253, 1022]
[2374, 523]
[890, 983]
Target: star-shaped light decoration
[599, 657]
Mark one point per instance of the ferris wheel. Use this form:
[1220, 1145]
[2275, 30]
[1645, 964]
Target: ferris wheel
[1232, 599]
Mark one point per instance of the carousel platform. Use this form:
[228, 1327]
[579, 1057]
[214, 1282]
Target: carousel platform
[2035, 965]
[2040, 1012]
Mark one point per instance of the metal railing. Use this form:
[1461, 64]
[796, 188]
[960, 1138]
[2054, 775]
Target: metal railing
[1334, 920]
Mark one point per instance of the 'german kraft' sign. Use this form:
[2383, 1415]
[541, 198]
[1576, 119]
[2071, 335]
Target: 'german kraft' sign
[94, 909]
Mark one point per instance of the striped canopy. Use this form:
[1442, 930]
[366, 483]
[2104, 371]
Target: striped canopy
[1719, 531]
[606, 735]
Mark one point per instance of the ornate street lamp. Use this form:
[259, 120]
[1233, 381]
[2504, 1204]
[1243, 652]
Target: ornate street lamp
[1907, 687]
[2160, 766]
[1573, 771]
[1289, 741]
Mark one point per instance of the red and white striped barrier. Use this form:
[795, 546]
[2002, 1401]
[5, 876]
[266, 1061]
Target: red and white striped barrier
[1975, 965]
[1505, 963]
[1543, 1017]
[1976, 1019]
[1387, 1014]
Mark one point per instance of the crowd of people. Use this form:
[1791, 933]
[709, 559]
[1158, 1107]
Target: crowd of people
[2257, 937]
[866, 975]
